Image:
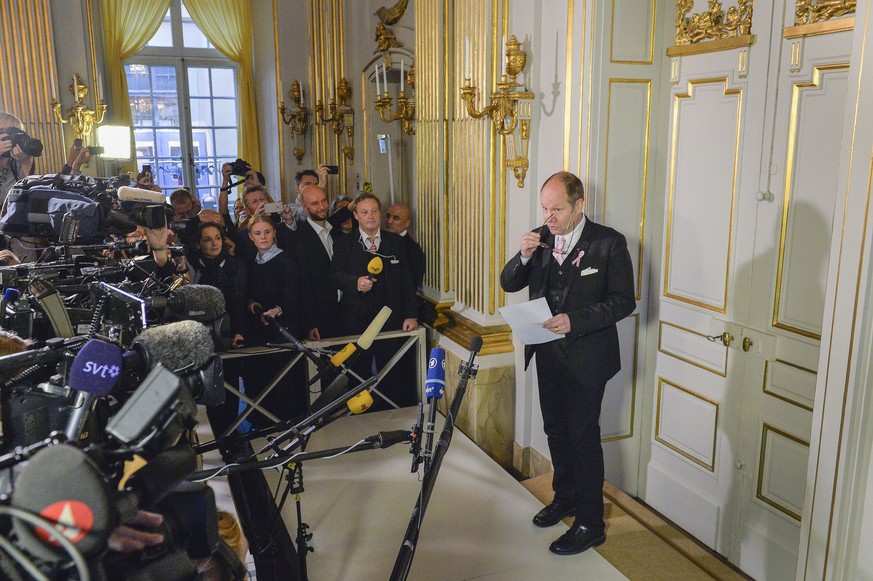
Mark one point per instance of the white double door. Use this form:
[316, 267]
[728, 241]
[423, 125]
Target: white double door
[753, 156]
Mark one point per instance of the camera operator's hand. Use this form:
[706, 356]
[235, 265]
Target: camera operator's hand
[25, 162]
[8, 258]
[226, 168]
[271, 314]
[126, 539]
[81, 160]
[322, 176]
[157, 239]
[237, 341]
[75, 149]
[287, 214]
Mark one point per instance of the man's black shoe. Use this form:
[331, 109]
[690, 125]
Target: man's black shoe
[553, 513]
[577, 540]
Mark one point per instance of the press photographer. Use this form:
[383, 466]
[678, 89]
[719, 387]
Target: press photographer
[17, 150]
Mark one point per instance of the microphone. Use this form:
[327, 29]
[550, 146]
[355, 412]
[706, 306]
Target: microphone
[435, 384]
[434, 388]
[95, 372]
[84, 513]
[374, 267]
[52, 305]
[180, 346]
[351, 350]
[197, 302]
[338, 388]
[129, 194]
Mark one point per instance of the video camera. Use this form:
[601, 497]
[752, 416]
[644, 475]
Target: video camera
[29, 145]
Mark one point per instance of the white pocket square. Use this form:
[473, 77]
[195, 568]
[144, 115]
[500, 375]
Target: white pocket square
[588, 271]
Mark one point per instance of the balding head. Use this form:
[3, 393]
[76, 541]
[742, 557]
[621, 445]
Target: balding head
[398, 218]
[314, 200]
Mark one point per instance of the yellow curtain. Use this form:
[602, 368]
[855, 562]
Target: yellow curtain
[228, 25]
[127, 27]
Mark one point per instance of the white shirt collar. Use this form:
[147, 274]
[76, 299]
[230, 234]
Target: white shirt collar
[404, 232]
[377, 236]
[573, 237]
[318, 227]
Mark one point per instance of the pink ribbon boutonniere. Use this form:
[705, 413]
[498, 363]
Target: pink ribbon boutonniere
[578, 258]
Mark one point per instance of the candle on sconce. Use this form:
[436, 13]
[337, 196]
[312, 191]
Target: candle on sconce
[402, 84]
[100, 86]
[378, 82]
[503, 58]
[301, 96]
[54, 88]
[75, 89]
[385, 77]
[467, 74]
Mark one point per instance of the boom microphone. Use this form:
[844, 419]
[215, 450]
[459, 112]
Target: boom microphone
[180, 346]
[198, 302]
[337, 388]
[129, 194]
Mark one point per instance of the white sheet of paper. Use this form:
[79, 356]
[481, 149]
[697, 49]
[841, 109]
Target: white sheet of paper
[526, 320]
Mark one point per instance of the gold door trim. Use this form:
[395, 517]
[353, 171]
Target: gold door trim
[630, 434]
[651, 39]
[784, 398]
[708, 466]
[674, 143]
[662, 349]
[826, 27]
[790, 156]
[712, 46]
[759, 493]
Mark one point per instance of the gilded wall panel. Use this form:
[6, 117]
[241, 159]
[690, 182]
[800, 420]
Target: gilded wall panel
[26, 54]
[632, 37]
[811, 172]
[687, 423]
[703, 169]
[782, 471]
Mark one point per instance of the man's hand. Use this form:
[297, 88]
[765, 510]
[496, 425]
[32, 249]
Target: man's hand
[322, 176]
[126, 539]
[288, 214]
[410, 324]
[314, 335]
[25, 162]
[237, 340]
[81, 159]
[560, 323]
[365, 284]
[225, 173]
[529, 243]
[5, 145]
[73, 154]
[271, 314]
[157, 239]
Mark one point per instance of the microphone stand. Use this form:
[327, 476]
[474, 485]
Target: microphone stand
[407, 549]
[294, 481]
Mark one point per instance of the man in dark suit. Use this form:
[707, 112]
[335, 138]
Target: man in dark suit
[365, 293]
[312, 248]
[585, 273]
[399, 218]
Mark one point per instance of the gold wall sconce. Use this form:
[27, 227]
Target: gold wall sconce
[341, 118]
[297, 120]
[81, 119]
[405, 105]
[509, 107]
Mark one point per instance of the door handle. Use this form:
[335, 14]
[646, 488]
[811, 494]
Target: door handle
[747, 344]
[726, 339]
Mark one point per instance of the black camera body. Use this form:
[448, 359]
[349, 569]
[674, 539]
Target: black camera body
[239, 167]
[29, 145]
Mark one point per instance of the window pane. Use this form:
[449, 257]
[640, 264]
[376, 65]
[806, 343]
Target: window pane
[225, 112]
[198, 82]
[192, 36]
[223, 84]
[225, 142]
[201, 112]
[164, 35]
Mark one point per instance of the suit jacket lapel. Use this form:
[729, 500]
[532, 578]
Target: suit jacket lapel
[580, 247]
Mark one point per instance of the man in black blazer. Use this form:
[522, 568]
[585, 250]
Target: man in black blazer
[399, 218]
[364, 293]
[312, 248]
[585, 273]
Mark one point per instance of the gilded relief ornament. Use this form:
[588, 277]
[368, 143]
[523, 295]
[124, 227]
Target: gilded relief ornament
[390, 16]
[385, 41]
[713, 24]
[810, 11]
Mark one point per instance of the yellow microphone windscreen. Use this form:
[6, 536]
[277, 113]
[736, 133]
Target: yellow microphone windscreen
[375, 266]
[360, 403]
[340, 356]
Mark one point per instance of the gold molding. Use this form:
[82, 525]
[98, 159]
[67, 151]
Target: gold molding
[712, 46]
[813, 11]
[282, 178]
[461, 330]
[826, 27]
[711, 466]
[818, 73]
[568, 78]
[759, 493]
[433, 312]
[662, 349]
[674, 143]
[652, 21]
[633, 385]
[645, 174]
[713, 23]
[785, 398]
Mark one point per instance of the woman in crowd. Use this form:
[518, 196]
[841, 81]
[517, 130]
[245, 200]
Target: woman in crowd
[14, 163]
[215, 266]
[273, 294]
